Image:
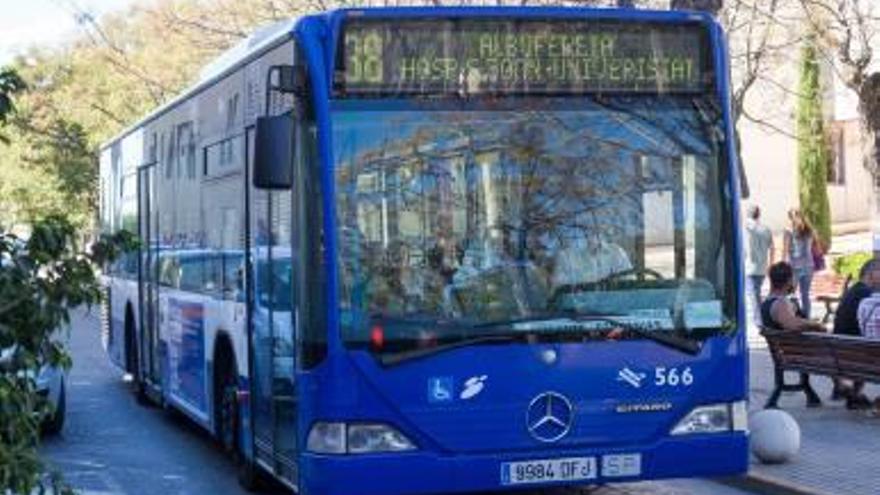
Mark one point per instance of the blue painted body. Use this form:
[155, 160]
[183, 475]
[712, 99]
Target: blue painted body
[187, 362]
[462, 443]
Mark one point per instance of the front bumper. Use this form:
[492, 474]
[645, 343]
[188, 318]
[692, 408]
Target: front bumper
[414, 473]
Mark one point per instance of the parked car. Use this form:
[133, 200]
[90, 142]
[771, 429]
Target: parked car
[51, 384]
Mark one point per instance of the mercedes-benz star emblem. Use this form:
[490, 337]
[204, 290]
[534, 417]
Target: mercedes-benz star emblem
[549, 417]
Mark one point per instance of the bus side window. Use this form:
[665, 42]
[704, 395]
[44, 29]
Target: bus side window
[169, 272]
[233, 277]
[112, 268]
[131, 265]
[213, 274]
[191, 274]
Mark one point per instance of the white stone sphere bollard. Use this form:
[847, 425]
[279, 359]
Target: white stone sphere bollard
[775, 436]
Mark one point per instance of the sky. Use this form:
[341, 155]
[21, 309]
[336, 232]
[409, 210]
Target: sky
[44, 22]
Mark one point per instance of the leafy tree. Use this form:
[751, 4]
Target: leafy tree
[813, 152]
[64, 150]
[41, 280]
[48, 161]
[10, 84]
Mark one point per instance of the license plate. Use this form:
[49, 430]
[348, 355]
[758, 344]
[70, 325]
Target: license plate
[548, 470]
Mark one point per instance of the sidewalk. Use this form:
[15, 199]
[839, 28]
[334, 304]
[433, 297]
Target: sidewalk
[840, 449]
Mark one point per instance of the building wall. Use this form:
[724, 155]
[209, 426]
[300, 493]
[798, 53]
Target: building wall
[771, 171]
[851, 200]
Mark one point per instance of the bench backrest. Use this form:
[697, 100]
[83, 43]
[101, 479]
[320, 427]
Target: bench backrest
[835, 355]
[801, 351]
[857, 357]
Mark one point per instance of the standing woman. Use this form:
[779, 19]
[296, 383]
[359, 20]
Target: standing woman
[797, 249]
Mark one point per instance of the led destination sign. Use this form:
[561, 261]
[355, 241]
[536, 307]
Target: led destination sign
[476, 56]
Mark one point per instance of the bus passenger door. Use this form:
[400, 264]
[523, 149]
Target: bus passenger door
[272, 330]
[149, 297]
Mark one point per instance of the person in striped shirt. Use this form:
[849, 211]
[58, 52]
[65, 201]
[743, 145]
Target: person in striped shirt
[869, 308]
[869, 323]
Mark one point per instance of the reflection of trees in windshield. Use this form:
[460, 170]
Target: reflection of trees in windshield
[432, 201]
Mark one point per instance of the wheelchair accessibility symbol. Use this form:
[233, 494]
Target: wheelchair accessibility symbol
[440, 389]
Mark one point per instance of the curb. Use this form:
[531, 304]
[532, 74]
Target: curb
[768, 485]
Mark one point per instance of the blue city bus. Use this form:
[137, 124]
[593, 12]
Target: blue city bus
[435, 250]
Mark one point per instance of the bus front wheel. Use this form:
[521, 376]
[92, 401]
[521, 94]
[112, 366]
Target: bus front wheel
[227, 418]
[132, 359]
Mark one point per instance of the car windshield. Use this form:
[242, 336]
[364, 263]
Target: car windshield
[469, 214]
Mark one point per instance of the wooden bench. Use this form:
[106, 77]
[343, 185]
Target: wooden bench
[813, 353]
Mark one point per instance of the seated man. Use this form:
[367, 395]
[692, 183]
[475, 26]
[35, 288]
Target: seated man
[846, 322]
[779, 312]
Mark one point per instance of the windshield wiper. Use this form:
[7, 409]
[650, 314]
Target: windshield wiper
[667, 339]
[671, 340]
[409, 355]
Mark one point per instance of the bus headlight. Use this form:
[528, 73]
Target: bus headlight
[327, 438]
[366, 438]
[713, 418]
[356, 438]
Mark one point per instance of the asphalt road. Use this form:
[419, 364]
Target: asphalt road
[111, 445]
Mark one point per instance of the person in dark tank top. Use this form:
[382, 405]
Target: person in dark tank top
[778, 311]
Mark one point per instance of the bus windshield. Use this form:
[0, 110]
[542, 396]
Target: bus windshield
[464, 218]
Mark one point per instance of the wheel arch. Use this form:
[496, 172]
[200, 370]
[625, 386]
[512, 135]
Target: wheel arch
[224, 363]
[223, 360]
[223, 352]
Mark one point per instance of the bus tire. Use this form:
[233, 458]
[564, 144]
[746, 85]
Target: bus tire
[132, 359]
[250, 477]
[227, 416]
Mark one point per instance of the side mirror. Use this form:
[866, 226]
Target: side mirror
[273, 152]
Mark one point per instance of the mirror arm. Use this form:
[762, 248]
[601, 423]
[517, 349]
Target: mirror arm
[285, 79]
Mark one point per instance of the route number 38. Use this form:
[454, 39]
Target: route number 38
[364, 64]
[673, 377]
